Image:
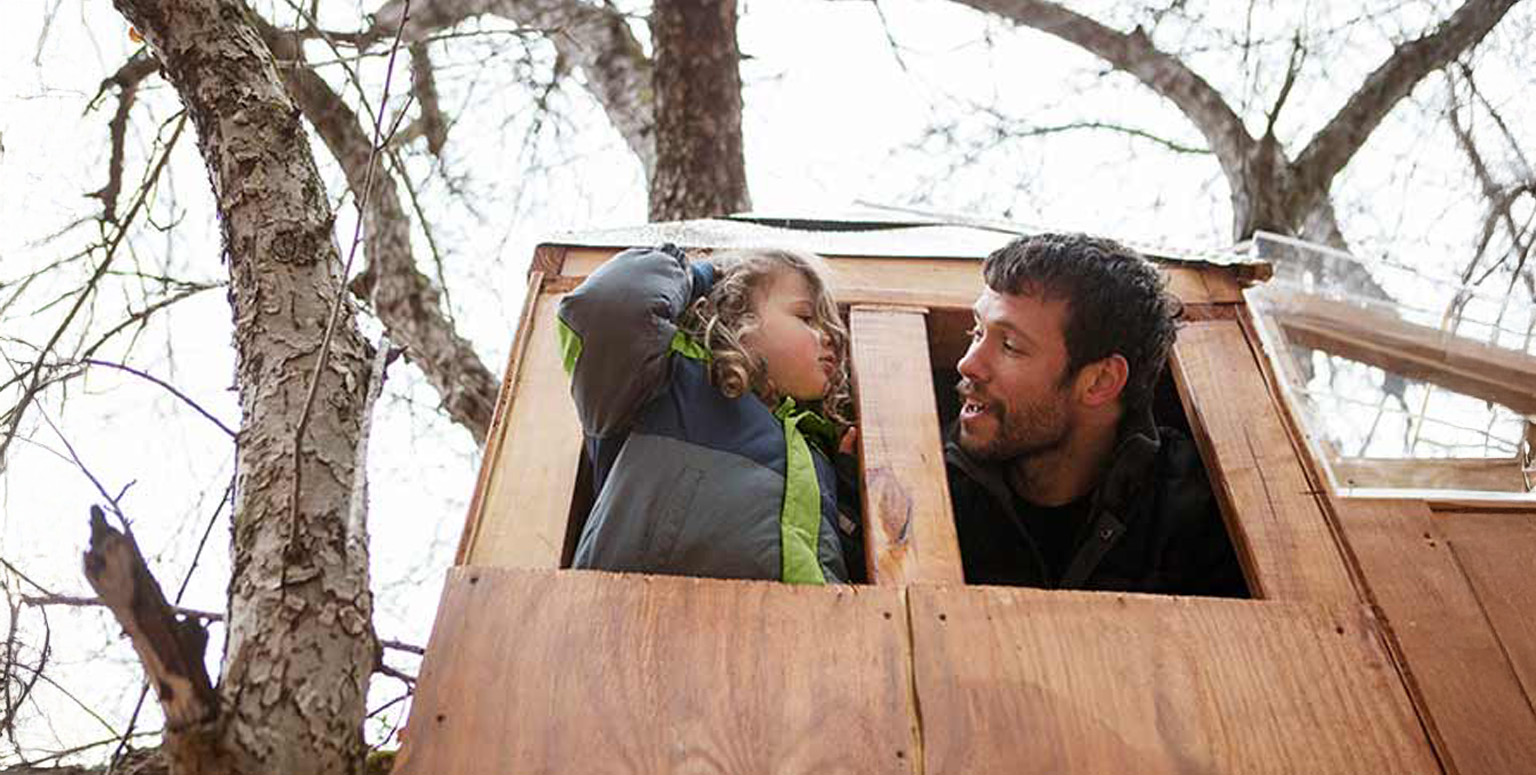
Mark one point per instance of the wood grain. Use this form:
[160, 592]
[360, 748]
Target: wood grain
[1497, 551]
[1023, 681]
[497, 436]
[909, 530]
[1456, 669]
[588, 672]
[1280, 530]
[529, 472]
[1487, 474]
[949, 283]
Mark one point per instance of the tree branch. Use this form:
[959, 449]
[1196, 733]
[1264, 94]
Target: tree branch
[140, 66]
[404, 298]
[597, 39]
[171, 649]
[1336, 143]
[1134, 53]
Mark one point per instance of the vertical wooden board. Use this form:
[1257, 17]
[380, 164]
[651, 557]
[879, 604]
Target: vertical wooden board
[526, 497]
[1458, 674]
[498, 432]
[1028, 681]
[1281, 532]
[1497, 551]
[909, 528]
[588, 672]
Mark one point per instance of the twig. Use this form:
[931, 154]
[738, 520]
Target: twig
[168, 386]
[74, 601]
[341, 294]
[35, 372]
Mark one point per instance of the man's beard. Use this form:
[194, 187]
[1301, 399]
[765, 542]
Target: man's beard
[1021, 431]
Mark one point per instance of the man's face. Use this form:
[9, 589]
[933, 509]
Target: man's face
[1016, 397]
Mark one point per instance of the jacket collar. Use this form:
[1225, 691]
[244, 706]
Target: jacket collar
[1129, 465]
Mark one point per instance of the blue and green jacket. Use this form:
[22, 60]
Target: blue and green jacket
[688, 481]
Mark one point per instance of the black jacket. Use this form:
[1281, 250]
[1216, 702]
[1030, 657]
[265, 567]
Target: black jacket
[1153, 524]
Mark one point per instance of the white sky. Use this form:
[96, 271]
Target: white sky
[831, 118]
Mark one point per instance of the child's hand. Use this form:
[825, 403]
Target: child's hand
[849, 442]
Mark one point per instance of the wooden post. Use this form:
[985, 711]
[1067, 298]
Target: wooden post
[909, 528]
[1279, 528]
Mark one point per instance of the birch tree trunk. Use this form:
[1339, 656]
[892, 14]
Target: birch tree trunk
[300, 646]
[700, 171]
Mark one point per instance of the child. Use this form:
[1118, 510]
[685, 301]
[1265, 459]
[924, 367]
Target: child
[698, 387]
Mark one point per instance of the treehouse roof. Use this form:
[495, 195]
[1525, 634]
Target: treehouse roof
[877, 234]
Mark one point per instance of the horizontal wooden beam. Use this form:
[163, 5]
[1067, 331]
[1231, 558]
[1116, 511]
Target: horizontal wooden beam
[1490, 474]
[942, 283]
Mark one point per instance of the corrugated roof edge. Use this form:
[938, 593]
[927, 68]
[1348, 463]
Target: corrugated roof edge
[959, 238]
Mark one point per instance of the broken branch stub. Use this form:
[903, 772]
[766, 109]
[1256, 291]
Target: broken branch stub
[171, 649]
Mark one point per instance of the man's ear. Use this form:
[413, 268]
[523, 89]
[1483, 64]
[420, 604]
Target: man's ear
[1101, 382]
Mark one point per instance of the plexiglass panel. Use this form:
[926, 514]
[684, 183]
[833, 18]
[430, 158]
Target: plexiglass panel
[1403, 381]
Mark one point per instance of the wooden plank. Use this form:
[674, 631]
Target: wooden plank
[1031, 681]
[497, 435]
[1281, 532]
[1490, 474]
[532, 475]
[948, 283]
[1382, 339]
[1497, 552]
[582, 672]
[909, 530]
[1456, 670]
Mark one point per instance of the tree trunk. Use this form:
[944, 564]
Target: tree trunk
[300, 645]
[700, 171]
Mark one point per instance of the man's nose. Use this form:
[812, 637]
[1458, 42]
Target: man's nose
[973, 365]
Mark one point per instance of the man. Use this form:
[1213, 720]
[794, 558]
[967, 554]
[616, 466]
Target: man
[1058, 475]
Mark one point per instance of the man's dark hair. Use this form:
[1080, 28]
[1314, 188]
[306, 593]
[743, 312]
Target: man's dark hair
[1116, 302]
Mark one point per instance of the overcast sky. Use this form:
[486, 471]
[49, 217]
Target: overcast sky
[833, 117]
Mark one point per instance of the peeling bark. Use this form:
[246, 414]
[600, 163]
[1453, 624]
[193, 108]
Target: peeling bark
[300, 644]
[700, 171]
[404, 298]
[593, 38]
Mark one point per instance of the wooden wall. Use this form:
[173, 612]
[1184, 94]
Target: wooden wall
[1384, 637]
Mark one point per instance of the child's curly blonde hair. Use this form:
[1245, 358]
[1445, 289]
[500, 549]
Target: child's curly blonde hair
[720, 318]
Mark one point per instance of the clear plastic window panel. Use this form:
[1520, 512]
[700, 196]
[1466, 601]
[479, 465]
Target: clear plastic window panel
[1403, 381]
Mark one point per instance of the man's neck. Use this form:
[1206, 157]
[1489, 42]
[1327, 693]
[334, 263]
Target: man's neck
[1066, 473]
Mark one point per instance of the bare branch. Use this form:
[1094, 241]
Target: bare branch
[1336, 143]
[75, 601]
[1134, 53]
[595, 38]
[140, 66]
[169, 387]
[430, 123]
[404, 299]
[35, 373]
[171, 649]
[1292, 69]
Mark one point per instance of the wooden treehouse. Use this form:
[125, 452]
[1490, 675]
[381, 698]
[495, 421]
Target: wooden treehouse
[1391, 634]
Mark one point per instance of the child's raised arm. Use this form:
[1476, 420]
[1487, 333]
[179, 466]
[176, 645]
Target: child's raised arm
[616, 332]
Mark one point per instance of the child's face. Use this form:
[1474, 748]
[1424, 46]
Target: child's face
[797, 353]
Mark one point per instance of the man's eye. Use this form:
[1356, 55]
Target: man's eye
[974, 332]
